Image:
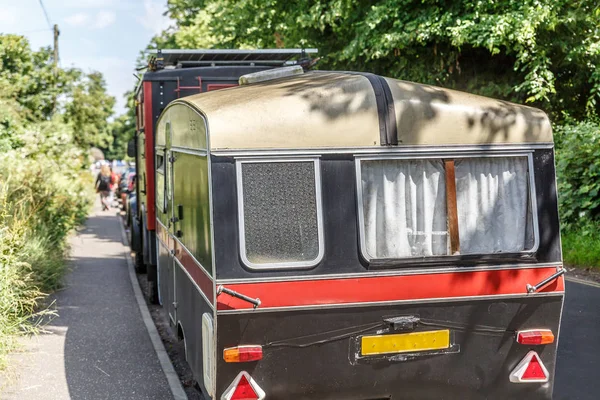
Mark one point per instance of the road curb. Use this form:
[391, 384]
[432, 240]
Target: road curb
[157, 344]
[583, 281]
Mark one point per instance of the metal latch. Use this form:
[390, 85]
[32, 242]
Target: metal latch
[403, 324]
[535, 288]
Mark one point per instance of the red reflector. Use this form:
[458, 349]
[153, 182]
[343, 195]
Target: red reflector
[243, 387]
[242, 354]
[530, 369]
[535, 336]
[244, 391]
[534, 370]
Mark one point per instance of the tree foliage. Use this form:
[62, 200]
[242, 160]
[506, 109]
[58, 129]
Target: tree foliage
[33, 90]
[578, 170]
[30, 78]
[543, 52]
[122, 130]
[89, 111]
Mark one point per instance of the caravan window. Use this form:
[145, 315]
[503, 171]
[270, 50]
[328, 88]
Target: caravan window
[403, 206]
[494, 205]
[280, 213]
[161, 202]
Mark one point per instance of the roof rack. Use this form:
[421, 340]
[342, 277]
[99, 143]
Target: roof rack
[182, 58]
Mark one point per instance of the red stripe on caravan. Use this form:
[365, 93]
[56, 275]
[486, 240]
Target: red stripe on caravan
[388, 288]
[202, 279]
[149, 151]
[199, 276]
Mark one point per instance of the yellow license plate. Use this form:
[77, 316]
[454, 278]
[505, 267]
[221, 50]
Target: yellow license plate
[405, 342]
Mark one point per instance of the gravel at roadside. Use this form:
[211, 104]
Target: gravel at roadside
[588, 274]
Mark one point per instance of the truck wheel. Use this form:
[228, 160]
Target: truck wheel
[140, 267]
[152, 292]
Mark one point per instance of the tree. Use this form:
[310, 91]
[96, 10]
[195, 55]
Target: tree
[542, 52]
[89, 110]
[29, 78]
[122, 130]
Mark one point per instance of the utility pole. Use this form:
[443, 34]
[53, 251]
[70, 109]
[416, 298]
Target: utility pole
[56, 33]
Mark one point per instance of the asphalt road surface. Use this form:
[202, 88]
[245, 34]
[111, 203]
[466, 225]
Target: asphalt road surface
[578, 364]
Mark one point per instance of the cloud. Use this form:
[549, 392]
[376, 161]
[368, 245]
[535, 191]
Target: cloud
[153, 18]
[78, 19]
[104, 19]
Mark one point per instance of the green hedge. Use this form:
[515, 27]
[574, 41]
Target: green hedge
[578, 176]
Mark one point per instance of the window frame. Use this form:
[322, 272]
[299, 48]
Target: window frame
[161, 171]
[241, 221]
[160, 152]
[442, 156]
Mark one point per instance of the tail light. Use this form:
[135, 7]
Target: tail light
[243, 387]
[530, 369]
[242, 354]
[535, 336]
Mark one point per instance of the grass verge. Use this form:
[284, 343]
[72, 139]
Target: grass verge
[581, 247]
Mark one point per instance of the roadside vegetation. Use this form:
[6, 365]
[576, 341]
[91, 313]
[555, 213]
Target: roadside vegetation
[49, 118]
[578, 175]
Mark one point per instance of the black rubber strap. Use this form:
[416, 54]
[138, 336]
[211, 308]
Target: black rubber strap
[388, 129]
[390, 120]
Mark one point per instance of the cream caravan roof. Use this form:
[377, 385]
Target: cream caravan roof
[339, 109]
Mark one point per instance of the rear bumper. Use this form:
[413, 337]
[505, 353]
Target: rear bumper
[311, 354]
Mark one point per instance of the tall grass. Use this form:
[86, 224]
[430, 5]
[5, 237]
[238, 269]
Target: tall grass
[41, 201]
[581, 246]
[19, 295]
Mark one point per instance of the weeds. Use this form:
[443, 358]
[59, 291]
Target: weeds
[581, 247]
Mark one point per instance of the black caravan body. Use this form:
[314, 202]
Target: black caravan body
[339, 235]
[174, 74]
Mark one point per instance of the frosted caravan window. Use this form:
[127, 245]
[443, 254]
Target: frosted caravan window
[403, 208]
[280, 213]
[494, 205]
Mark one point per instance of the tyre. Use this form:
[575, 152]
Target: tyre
[152, 291]
[139, 265]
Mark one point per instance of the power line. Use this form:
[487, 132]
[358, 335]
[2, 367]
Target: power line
[46, 14]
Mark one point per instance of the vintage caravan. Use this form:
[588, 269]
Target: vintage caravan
[341, 235]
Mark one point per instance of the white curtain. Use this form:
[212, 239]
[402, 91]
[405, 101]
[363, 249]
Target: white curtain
[404, 208]
[493, 205]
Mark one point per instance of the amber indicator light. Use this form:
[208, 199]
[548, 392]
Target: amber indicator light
[242, 354]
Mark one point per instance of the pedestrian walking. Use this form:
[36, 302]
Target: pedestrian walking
[114, 184]
[103, 185]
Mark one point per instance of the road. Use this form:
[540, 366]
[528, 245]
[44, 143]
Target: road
[578, 364]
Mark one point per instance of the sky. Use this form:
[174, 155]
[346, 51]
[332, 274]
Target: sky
[95, 35]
